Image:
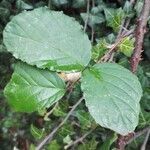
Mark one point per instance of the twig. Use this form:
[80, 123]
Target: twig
[92, 28]
[110, 52]
[138, 134]
[121, 29]
[122, 141]
[107, 56]
[87, 11]
[79, 140]
[50, 112]
[143, 147]
[123, 32]
[139, 35]
[92, 34]
[49, 4]
[127, 21]
[49, 137]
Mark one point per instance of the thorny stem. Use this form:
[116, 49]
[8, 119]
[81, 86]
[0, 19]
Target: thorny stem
[123, 32]
[139, 35]
[49, 137]
[136, 57]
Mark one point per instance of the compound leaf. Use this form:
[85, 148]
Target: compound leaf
[48, 39]
[31, 89]
[112, 94]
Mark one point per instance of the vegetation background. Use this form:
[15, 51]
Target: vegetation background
[24, 131]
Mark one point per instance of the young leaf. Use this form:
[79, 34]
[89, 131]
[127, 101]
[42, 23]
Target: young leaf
[61, 109]
[48, 39]
[32, 147]
[114, 18]
[67, 140]
[99, 50]
[66, 130]
[53, 145]
[112, 94]
[138, 7]
[126, 46]
[31, 89]
[37, 133]
[128, 9]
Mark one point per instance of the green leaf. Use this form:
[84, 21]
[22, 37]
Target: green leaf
[85, 119]
[31, 89]
[126, 46]
[128, 9]
[112, 94]
[109, 141]
[111, 38]
[59, 3]
[90, 145]
[61, 109]
[53, 146]
[48, 39]
[78, 3]
[144, 119]
[138, 7]
[67, 140]
[93, 19]
[114, 18]
[99, 50]
[4, 14]
[32, 147]
[66, 130]
[99, 8]
[37, 133]
[21, 5]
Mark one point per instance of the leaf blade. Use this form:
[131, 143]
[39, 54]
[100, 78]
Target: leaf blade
[114, 18]
[126, 46]
[48, 39]
[112, 95]
[31, 89]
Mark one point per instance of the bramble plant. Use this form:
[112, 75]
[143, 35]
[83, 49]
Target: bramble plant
[56, 65]
[49, 42]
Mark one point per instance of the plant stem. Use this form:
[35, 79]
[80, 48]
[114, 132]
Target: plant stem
[138, 134]
[50, 112]
[139, 35]
[145, 141]
[49, 137]
[92, 28]
[87, 11]
[79, 139]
